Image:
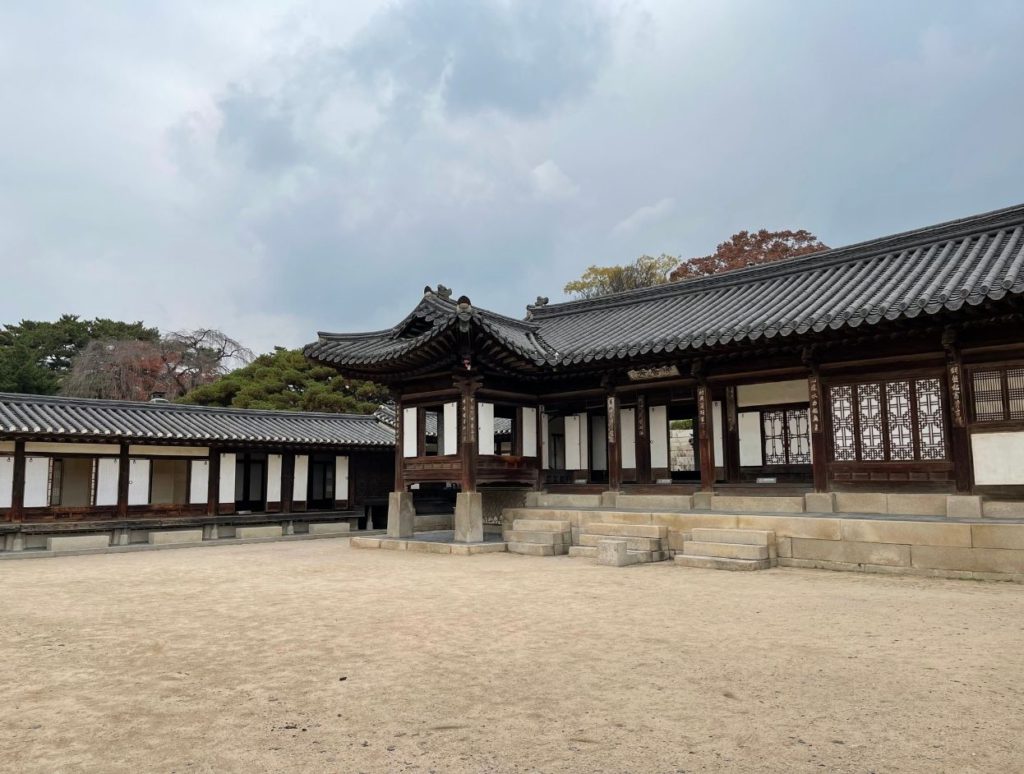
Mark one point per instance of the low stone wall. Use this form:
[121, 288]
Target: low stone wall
[990, 551]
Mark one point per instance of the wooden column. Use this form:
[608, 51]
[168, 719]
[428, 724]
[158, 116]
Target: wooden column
[124, 472]
[731, 437]
[213, 484]
[959, 438]
[614, 444]
[399, 444]
[705, 414]
[819, 449]
[468, 441]
[643, 442]
[18, 485]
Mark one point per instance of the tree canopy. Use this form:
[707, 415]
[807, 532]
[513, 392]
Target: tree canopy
[749, 248]
[644, 272]
[36, 356]
[284, 380]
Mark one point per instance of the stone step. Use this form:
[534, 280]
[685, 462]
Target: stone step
[642, 557]
[536, 549]
[625, 530]
[540, 525]
[589, 552]
[752, 537]
[720, 563]
[725, 550]
[633, 543]
[544, 538]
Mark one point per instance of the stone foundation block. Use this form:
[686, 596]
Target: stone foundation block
[964, 507]
[726, 550]
[426, 547]
[851, 553]
[1003, 509]
[820, 528]
[765, 504]
[329, 528]
[609, 499]
[703, 501]
[469, 517]
[614, 553]
[626, 530]
[77, 542]
[262, 531]
[533, 499]
[545, 538]
[211, 532]
[614, 517]
[676, 540]
[393, 544]
[632, 543]
[531, 549]
[720, 563]
[861, 502]
[401, 515]
[1010, 536]
[922, 533]
[569, 500]
[469, 549]
[587, 552]
[364, 542]
[968, 559]
[539, 525]
[820, 502]
[174, 536]
[917, 504]
[751, 537]
[784, 547]
[656, 502]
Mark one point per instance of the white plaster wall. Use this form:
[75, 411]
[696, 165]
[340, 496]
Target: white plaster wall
[141, 450]
[658, 428]
[107, 474]
[572, 442]
[200, 484]
[529, 432]
[227, 477]
[451, 428]
[273, 478]
[341, 477]
[301, 483]
[627, 434]
[749, 423]
[599, 452]
[37, 482]
[485, 427]
[409, 434]
[544, 430]
[998, 458]
[772, 393]
[72, 448]
[6, 480]
[138, 482]
[718, 434]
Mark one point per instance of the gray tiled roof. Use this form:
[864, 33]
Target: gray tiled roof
[75, 418]
[922, 272]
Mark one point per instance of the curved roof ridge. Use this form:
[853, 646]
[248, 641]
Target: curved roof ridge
[824, 258]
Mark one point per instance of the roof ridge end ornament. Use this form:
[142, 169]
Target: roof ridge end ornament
[444, 292]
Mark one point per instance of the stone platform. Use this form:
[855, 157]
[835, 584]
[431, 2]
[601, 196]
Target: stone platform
[439, 542]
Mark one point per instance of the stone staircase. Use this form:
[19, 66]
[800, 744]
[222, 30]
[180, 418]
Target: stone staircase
[536, 537]
[729, 549]
[643, 543]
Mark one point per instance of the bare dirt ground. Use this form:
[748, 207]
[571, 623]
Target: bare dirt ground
[311, 656]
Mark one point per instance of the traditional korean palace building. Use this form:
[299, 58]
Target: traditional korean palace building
[882, 378]
[87, 473]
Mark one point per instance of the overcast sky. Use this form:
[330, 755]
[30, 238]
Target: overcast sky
[275, 168]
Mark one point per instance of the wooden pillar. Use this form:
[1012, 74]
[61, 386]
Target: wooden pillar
[959, 438]
[399, 444]
[213, 484]
[614, 444]
[124, 472]
[643, 442]
[18, 485]
[705, 414]
[819, 449]
[468, 441]
[731, 437]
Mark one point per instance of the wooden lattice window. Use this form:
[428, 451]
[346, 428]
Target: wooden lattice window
[998, 394]
[894, 421]
[786, 436]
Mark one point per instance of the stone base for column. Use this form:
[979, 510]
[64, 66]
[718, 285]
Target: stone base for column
[609, 499]
[469, 517]
[401, 515]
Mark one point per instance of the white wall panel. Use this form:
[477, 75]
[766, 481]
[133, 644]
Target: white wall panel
[658, 428]
[227, 478]
[719, 434]
[998, 458]
[529, 432]
[301, 483]
[107, 474]
[6, 480]
[410, 432]
[750, 438]
[451, 428]
[341, 477]
[627, 432]
[773, 393]
[37, 482]
[572, 442]
[485, 427]
[138, 482]
[273, 478]
[199, 485]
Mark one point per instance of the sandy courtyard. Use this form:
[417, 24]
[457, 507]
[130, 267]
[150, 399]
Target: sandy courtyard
[312, 656]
